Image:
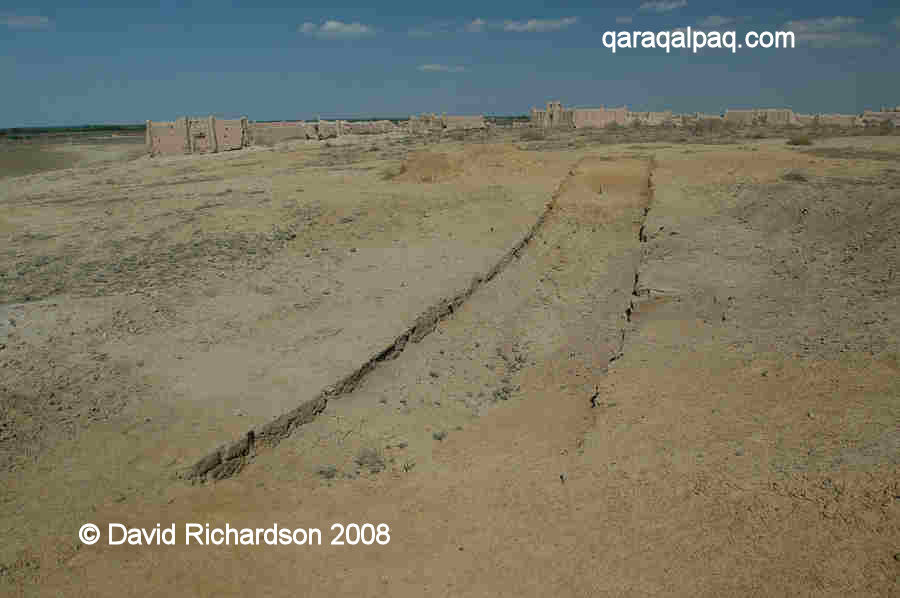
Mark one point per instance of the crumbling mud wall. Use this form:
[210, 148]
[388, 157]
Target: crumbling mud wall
[650, 118]
[832, 120]
[195, 136]
[599, 117]
[369, 127]
[555, 115]
[271, 133]
[761, 116]
[838, 120]
[885, 115]
[328, 129]
[276, 132]
[463, 122]
[426, 123]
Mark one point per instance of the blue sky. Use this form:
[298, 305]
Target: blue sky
[67, 63]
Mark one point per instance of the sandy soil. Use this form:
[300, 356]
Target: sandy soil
[684, 384]
[43, 153]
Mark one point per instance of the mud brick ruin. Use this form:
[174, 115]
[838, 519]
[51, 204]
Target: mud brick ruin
[210, 135]
[196, 136]
[555, 115]
[432, 122]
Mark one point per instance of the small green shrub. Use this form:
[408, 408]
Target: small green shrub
[799, 140]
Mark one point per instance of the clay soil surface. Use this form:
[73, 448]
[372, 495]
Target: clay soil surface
[684, 380]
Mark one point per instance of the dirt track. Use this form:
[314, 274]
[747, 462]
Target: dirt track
[686, 388]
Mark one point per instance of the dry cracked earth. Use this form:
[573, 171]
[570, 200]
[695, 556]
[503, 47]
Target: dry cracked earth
[558, 367]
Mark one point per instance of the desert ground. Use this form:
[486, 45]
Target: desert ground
[631, 363]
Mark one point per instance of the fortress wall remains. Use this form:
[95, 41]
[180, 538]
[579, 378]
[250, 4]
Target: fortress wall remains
[464, 122]
[276, 132]
[598, 117]
[195, 136]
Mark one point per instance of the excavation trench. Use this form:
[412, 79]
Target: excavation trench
[638, 293]
[227, 460]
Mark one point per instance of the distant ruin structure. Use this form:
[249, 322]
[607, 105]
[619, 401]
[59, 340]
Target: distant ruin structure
[886, 116]
[599, 117]
[761, 116]
[555, 115]
[209, 135]
[196, 136]
[426, 123]
[212, 135]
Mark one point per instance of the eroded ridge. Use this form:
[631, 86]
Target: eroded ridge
[229, 459]
[638, 292]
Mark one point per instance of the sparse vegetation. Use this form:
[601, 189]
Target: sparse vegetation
[533, 135]
[327, 471]
[371, 459]
[797, 177]
[391, 173]
[799, 140]
[195, 298]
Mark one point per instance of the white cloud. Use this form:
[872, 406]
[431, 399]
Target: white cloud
[476, 26]
[539, 25]
[24, 21]
[663, 5]
[823, 24]
[336, 30]
[433, 29]
[715, 21]
[441, 68]
[832, 32]
[623, 20]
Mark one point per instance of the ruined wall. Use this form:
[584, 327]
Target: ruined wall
[761, 116]
[276, 132]
[838, 120]
[231, 134]
[598, 117]
[650, 118]
[328, 129]
[195, 136]
[554, 116]
[463, 122]
[740, 117]
[369, 127]
[870, 117]
[167, 138]
[425, 123]
[272, 133]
